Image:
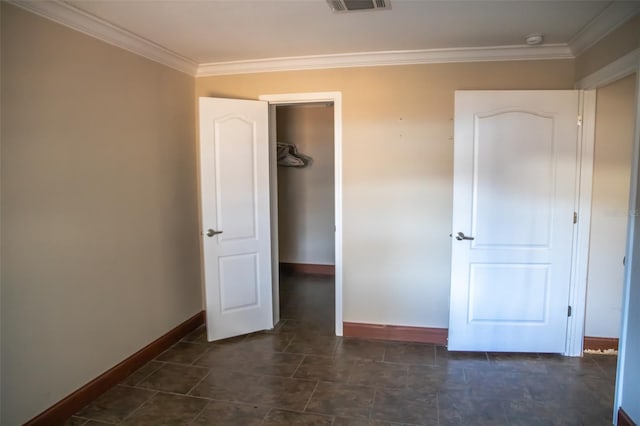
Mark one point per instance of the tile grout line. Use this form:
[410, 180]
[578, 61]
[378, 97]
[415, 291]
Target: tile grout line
[298, 366]
[284, 350]
[210, 371]
[199, 413]
[311, 396]
[201, 356]
[139, 407]
[146, 376]
[266, 415]
[373, 403]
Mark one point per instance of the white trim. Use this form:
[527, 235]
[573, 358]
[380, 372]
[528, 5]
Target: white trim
[620, 68]
[273, 200]
[629, 274]
[68, 15]
[580, 256]
[400, 57]
[86, 23]
[336, 98]
[611, 18]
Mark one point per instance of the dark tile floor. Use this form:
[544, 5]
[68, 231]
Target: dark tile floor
[301, 374]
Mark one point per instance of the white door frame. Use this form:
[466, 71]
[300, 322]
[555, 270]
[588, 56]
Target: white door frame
[618, 69]
[582, 206]
[300, 98]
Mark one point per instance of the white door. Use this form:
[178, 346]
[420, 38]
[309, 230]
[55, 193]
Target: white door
[513, 221]
[234, 182]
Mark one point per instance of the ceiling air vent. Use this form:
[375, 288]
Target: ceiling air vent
[355, 5]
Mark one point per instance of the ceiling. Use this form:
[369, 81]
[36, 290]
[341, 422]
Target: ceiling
[212, 34]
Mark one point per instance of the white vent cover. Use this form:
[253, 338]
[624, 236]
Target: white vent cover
[355, 5]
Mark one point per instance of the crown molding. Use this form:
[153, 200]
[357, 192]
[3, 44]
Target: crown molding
[620, 68]
[611, 18]
[72, 17]
[405, 57]
[616, 14]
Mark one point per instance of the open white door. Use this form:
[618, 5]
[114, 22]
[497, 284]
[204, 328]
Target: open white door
[513, 221]
[234, 182]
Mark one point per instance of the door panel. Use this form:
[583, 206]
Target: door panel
[514, 192]
[509, 191]
[234, 181]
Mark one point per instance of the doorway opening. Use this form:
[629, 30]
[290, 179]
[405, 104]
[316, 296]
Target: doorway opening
[306, 215]
[614, 127]
[312, 215]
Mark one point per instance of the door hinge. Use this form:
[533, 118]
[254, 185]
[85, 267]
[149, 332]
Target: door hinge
[575, 218]
[569, 311]
[579, 120]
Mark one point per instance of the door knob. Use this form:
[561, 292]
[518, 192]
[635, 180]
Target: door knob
[461, 237]
[211, 232]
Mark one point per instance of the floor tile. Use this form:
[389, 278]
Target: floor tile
[348, 421]
[559, 365]
[495, 384]
[301, 373]
[429, 380]
[516, 362]
[75, 421]
[142, 372]
[115, 404]
[460, 359]
[280, 392]
[225, 385]
[284, 417]
[559, 388]
[312, 345]
[199, 335]
[231, 414]
[167, 409]
[410, 353]
[222, 356]
[272, 342]
[341, 400]
[402, 406]
[534, 413]
[608, 363]
[322, 368]
[358, 349]
[379, 374]
[174, 378]
[270, 363]
[183, 353]
[465, 411]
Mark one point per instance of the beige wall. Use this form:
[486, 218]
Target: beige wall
[306, 195]
[618, 43]
[397, 172]
[99, 211]
[615, 117]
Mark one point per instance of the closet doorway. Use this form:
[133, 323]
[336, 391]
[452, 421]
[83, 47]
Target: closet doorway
[306, 200]
[306, 215]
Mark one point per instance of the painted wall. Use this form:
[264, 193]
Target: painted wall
[628, 379]
[615, 115]
[306, 195]
[100, 247]
[397, 172]
[618, 43]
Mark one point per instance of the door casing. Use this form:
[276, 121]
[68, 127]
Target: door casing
[620, 68]
[301, 98]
